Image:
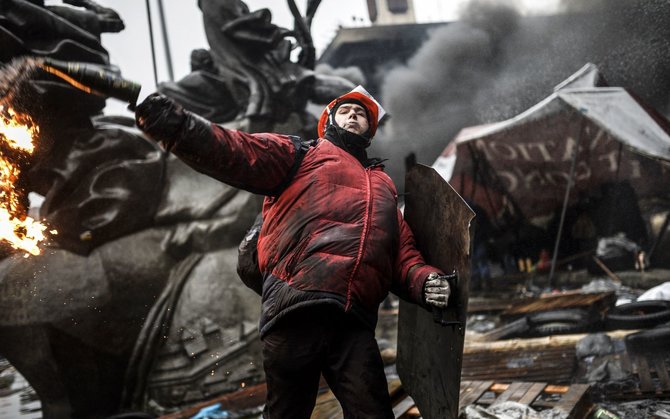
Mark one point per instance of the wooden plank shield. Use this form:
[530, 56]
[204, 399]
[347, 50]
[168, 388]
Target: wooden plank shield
[430, 345]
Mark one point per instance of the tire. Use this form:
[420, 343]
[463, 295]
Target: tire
[559, 329]
[560, 322]
[573, 316]
[638, 315]
[655, 340]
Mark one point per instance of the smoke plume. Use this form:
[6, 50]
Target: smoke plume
[353, 74]
[494, 63]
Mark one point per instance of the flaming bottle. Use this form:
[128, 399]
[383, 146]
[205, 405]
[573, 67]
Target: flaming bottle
[93, 79]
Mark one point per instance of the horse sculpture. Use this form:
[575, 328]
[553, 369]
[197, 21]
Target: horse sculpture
[135, 304]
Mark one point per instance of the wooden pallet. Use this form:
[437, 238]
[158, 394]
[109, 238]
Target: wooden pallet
[652, 363]
[574, 399]
[653, 376]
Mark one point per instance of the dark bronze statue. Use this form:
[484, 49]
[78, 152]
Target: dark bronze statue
[136, 302]
[248, 75]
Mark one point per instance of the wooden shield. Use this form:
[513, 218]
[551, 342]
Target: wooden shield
[430, 345]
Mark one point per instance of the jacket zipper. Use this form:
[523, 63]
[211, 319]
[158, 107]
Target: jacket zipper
[364, 235]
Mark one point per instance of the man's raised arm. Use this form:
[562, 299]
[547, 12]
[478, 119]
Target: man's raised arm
[260, 163]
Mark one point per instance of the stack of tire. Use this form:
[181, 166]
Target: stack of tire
[631, 316]
[652, 315]
[638, 315]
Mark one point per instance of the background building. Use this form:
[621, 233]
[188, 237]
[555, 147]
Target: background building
[391, 12]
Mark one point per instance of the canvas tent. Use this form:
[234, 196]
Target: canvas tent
[584, 131]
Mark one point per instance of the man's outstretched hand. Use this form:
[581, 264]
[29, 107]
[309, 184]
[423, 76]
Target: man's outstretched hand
[437, 290]
[160, 118]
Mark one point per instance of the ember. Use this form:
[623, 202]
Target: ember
[14, 74]
[17, 131]
[17, 134]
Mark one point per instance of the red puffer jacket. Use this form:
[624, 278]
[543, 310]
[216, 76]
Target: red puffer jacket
[332, 232]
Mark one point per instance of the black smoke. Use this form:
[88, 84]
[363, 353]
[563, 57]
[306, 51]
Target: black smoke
[494, 63]
[353, 74]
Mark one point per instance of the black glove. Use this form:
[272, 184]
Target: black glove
[161, 119]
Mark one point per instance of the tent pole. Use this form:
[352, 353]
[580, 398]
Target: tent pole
[166, 41]
[151, 40]
[571, 181]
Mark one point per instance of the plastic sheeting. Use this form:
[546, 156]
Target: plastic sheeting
[660, 292]
[510, 410]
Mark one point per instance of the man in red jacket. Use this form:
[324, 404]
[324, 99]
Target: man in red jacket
[332, 245]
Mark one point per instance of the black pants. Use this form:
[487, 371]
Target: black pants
[323, 340]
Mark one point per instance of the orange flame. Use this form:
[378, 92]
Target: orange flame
[18, 132]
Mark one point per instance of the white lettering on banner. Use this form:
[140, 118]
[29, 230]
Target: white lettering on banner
[600, 154]
[571, 143]
[533, 151]
[569, 151]
[523, 151]
[542, 148]
[509, 180]
[635, 169]
[538, 151]
[503, 150]
[557, 178]
[481, 146]
[536, 179]
[582, 171]
[529, 177]
[596, 140]
[611, 159]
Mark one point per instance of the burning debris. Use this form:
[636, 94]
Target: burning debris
[18, 134]
[13, 75]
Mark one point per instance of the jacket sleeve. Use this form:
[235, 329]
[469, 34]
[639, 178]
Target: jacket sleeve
[410, 271]
[259, 163]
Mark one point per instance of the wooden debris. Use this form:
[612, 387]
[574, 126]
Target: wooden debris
[492, 305]
[513, 328]
[570, 299]
[550, 358]
[514, 307]
[652, 370]
[471, 391]
[607, 270]
[573, 400]
[402, 407]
